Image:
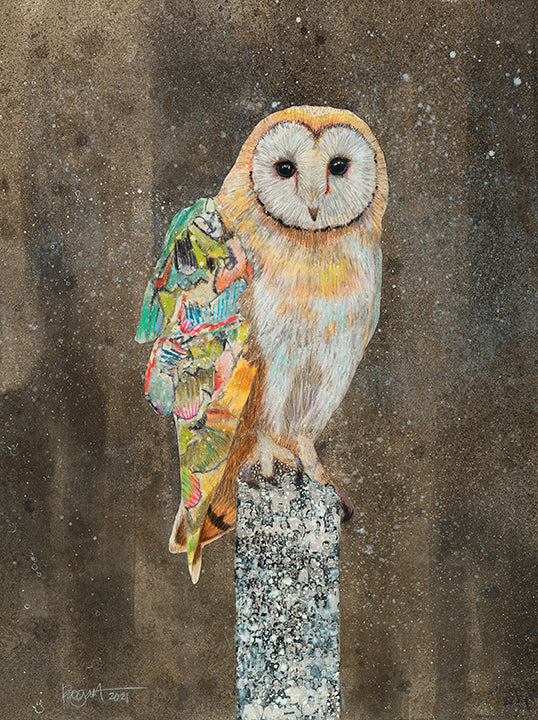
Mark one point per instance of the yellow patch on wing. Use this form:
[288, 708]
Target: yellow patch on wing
[237, 388]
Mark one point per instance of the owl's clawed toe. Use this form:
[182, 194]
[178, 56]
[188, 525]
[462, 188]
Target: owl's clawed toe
[262, 459]
[346, 506]
[267, 451]
[315, 470]
[247, 473]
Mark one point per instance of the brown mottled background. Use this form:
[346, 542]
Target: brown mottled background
[116, 114]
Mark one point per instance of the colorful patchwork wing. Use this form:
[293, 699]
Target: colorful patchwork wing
[191, 312]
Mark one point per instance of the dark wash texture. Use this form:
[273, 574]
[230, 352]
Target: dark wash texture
[115, 116]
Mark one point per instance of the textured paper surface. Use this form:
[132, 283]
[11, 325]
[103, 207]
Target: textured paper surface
[115, 115]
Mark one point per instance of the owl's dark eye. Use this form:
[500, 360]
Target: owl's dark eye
[339, 166]
[285, 168]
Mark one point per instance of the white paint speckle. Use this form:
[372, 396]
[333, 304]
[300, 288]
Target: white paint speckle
[405, 77]
[517, 81]
[452, 54]
[297, 19]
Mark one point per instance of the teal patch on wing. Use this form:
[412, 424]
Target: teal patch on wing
[226, 303]
[195, 318]
[193, 246]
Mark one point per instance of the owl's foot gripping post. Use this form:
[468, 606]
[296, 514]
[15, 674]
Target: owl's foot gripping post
[314, 468]
[266, 451]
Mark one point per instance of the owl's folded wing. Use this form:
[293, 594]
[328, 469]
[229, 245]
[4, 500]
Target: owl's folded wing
[190, 309]
[195, 253]
[191, 312]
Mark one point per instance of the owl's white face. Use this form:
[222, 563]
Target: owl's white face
[314, 181]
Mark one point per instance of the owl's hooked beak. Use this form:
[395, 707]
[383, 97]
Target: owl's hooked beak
[312, 185]
[312, 196]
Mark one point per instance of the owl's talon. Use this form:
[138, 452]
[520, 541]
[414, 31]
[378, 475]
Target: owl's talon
[315, 470]
[266, 451]
[246, 475]
[346, 506]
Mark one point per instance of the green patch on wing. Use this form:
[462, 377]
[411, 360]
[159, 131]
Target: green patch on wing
[203, 449]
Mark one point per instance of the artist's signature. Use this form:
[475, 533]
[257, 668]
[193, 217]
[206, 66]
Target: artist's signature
[79, 697]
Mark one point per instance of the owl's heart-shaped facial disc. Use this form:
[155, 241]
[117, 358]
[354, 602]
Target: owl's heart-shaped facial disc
[314, 180]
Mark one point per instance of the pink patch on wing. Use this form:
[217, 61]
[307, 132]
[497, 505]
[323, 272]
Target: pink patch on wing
[189, 410]
[190, 489]
[223, 370]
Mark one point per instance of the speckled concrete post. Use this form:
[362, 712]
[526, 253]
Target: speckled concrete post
[287, 601]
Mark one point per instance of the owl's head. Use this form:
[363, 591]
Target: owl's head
[310, 169]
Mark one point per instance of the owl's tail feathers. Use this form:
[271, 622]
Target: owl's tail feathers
[219, 519]
[183, 541]
[178, 536]
[194, 555]
[198, 490]
[220, 516]
[210, 459]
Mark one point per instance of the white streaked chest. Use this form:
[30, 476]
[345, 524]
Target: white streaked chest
[298, 313]
[312, 340]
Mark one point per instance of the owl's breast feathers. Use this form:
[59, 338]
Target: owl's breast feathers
[310, 318]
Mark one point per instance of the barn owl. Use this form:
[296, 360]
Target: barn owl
[260, 309]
